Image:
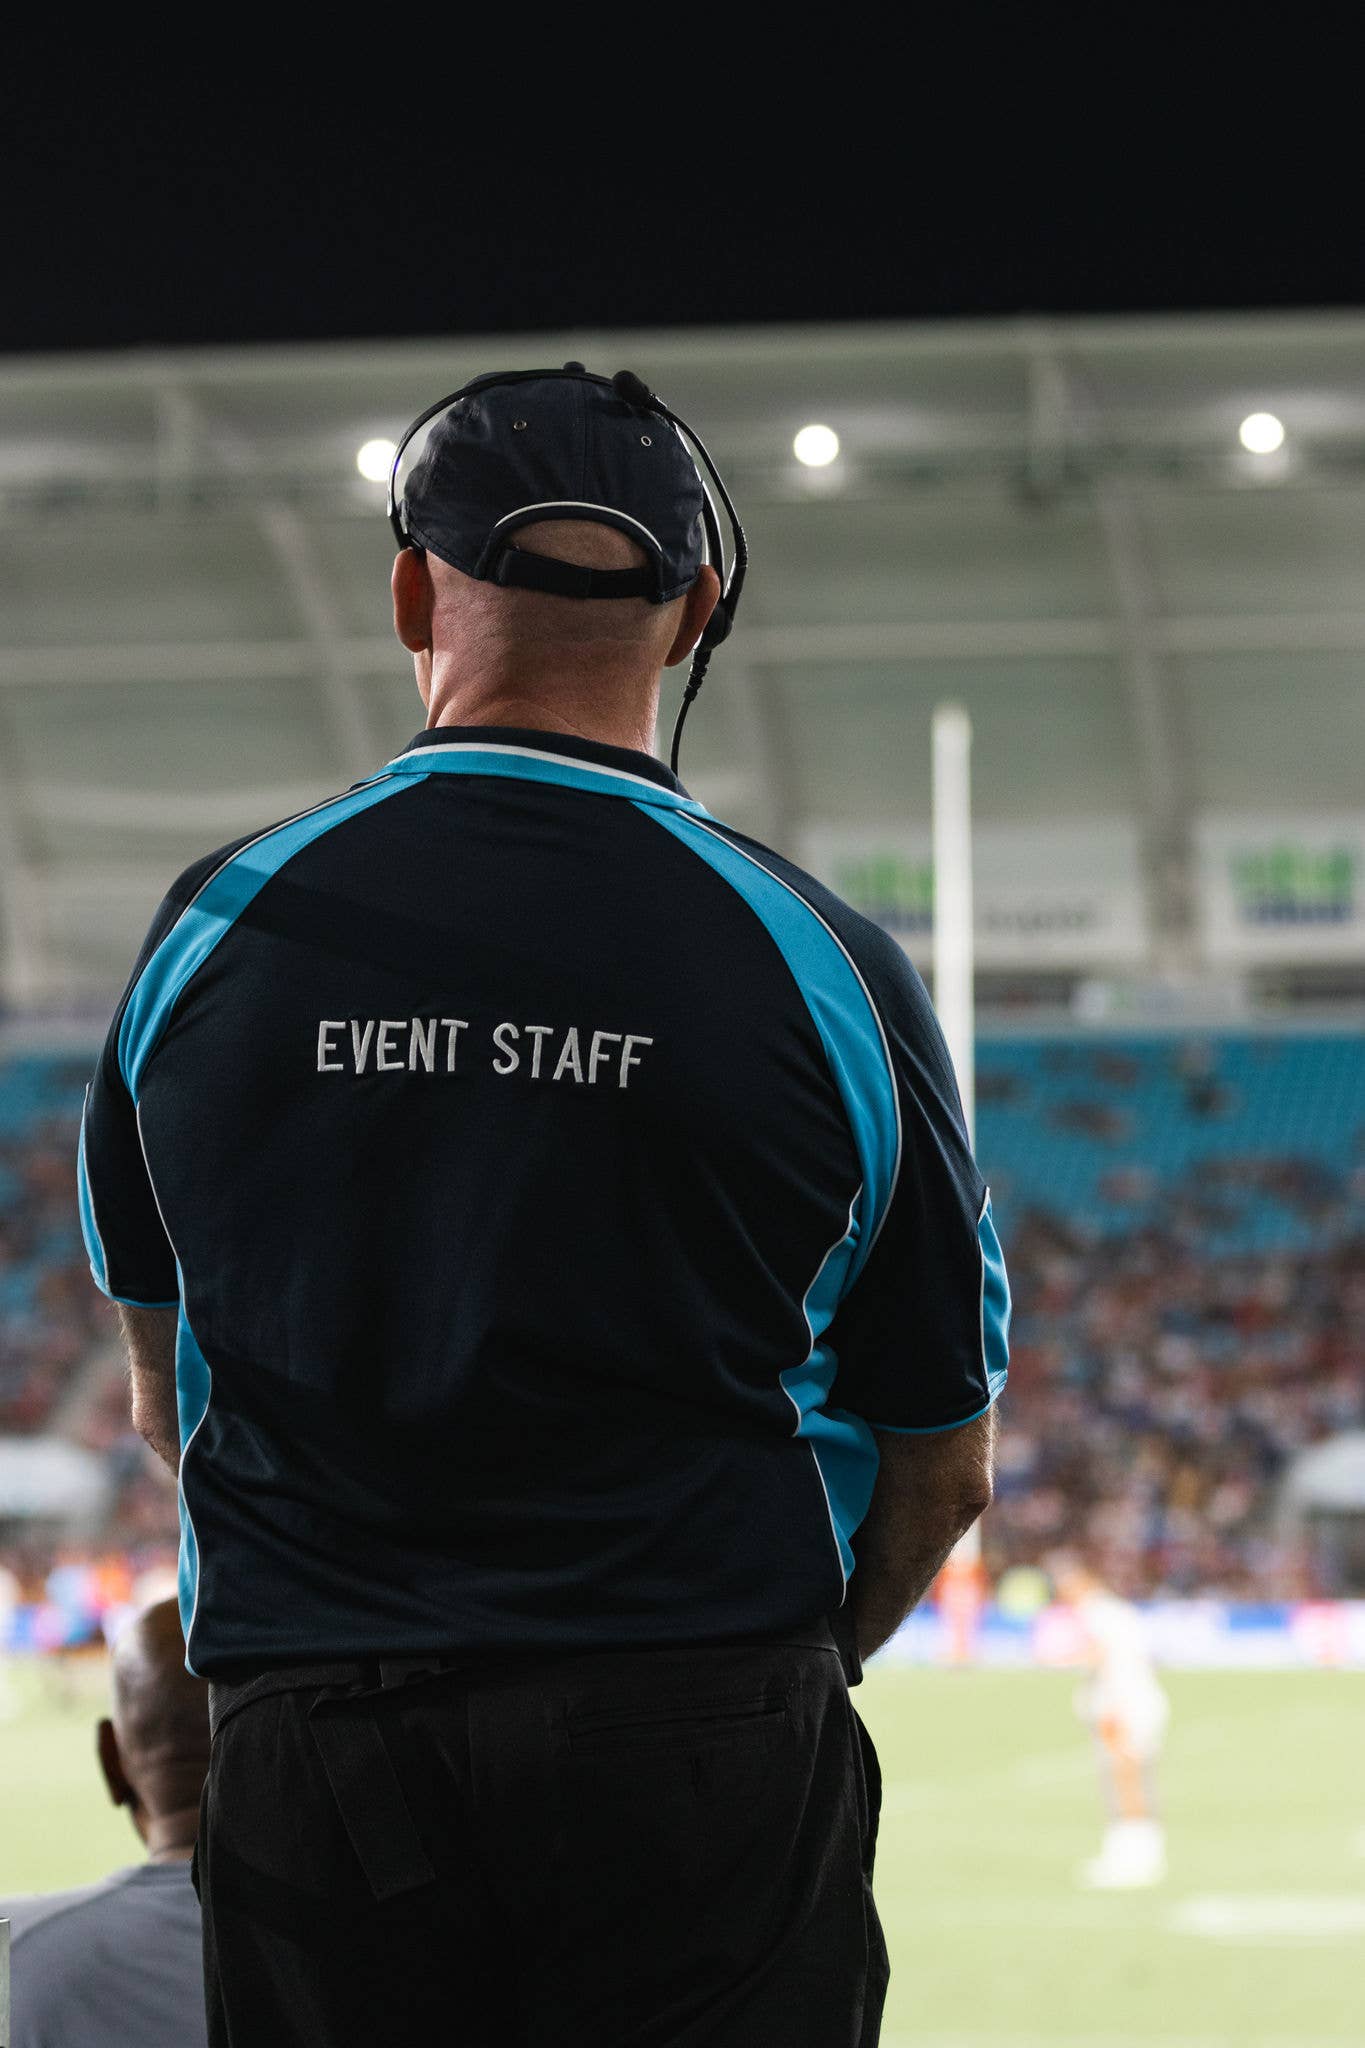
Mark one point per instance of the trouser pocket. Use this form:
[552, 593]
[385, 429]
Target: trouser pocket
[699, 1721]
[868, 1772]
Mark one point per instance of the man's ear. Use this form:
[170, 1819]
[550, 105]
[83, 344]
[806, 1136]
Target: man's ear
[412, 600]
[111, 1765]
[698, 605]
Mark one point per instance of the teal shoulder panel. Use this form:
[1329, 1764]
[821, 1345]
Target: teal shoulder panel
[193, 1386]
[995, 1328]
[995, 1303]
[842, 1445]
[90, 1230]
[840, 1006]
[214, 910]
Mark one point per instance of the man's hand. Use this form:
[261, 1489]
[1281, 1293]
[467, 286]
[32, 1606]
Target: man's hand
[929, 1491]
[149, 1334]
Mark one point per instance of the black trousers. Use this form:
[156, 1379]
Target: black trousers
[631, 1849]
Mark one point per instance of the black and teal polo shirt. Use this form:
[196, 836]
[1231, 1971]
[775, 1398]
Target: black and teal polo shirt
[558, 1191]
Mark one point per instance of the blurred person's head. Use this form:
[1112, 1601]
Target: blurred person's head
[154, 1749]
[1072, 1578]
[489, 654]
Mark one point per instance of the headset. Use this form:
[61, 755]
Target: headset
[635, 392]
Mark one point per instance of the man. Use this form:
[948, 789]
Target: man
[498, 1164]
[118, 1964]
[1126, 1709]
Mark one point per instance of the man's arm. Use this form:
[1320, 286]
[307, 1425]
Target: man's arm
[929, 1491]
[149, 1334]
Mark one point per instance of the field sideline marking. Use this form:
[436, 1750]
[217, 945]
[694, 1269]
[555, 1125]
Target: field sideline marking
[1282, 1919]
[1089, 2040]
[1278, 1919]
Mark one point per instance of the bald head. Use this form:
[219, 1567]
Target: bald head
[154, 1751]
[159, 1710]
[493, 654]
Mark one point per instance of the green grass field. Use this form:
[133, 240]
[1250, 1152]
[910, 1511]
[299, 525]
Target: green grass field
[1256, 1940]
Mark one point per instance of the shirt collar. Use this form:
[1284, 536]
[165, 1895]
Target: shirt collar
[508, 740]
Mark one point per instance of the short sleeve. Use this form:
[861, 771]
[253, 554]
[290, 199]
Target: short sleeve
[922, 1337]
[130, 1254]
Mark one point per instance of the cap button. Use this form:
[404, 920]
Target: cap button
[574, 366]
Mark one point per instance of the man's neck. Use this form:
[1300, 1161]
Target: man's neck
[170, 1836]
[628, 721]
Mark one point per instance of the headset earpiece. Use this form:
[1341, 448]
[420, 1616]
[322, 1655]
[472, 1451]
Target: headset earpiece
[717, 627]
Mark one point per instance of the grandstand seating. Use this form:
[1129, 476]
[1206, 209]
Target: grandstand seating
[1260, 1137]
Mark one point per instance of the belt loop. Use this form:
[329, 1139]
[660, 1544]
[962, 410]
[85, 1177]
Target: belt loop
[369, 1797]
[399, 1670]
[843, 1628]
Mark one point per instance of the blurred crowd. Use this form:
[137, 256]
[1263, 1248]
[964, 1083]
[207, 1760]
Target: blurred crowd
[58, 1595]
[50, 1314]
[61, 1371]
[1156, 1395]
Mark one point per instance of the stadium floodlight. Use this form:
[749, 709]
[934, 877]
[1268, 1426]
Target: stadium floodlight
[1261, 433]
[816, 446]
[374, 460]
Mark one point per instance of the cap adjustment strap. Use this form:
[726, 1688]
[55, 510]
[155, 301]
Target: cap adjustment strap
[570, 579]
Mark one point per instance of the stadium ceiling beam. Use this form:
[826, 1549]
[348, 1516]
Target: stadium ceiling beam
[23, 970]
[352, 735]
[1162, 782]
[156, 661]
[764, 719]
[766, 347]
[185, 437]
[789, 646]
[1162, 778]
[991, 639]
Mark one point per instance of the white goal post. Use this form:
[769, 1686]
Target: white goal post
[954, 947]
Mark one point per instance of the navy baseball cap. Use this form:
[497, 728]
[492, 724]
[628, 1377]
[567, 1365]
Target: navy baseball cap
[557, 445]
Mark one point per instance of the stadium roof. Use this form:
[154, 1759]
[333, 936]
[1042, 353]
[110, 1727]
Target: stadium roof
[1054, 524]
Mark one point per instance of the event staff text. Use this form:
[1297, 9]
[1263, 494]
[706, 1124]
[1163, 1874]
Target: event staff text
[411, 1045]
